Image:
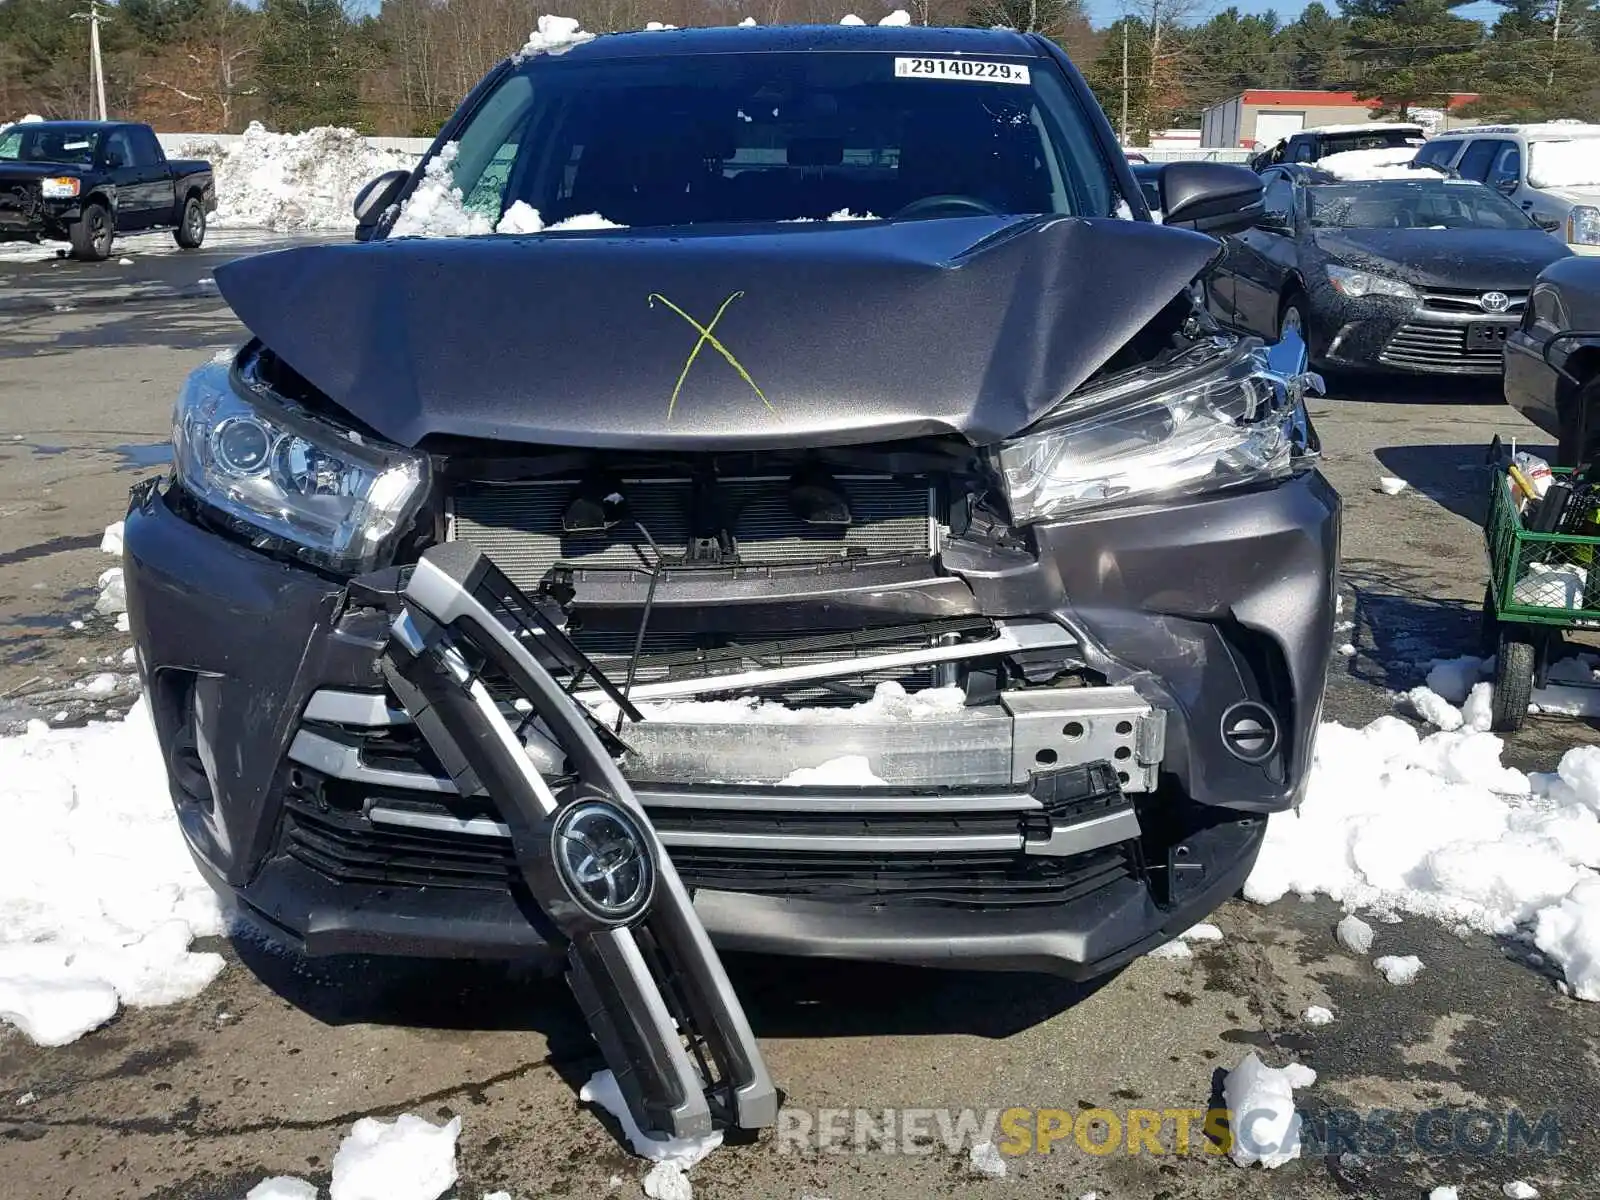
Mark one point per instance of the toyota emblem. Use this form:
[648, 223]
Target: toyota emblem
[1494, 302]
[604, 860]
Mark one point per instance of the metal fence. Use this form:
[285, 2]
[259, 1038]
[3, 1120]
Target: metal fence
[1165, 154]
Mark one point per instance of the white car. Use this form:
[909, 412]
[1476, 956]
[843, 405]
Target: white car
[1551, 171]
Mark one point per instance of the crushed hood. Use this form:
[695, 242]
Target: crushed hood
[836, 333]
[1467, 259]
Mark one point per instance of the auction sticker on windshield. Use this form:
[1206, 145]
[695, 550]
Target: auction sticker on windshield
[975, 70]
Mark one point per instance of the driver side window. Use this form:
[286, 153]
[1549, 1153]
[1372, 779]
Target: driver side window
[1506, 172]
[119, 151]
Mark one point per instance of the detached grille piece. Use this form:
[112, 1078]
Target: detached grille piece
[519, 525]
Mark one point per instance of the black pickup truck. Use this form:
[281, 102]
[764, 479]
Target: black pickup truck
[89, 182]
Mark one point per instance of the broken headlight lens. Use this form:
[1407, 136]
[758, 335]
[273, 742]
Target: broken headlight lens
[1140, 439]
[338, 499]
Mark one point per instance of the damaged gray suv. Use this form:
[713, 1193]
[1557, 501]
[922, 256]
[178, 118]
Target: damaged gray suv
[836, 389]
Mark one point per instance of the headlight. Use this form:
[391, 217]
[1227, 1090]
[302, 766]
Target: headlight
[339, 499]
[1349, 282]
[1583, 225]
[63, 187]
[1227, 424]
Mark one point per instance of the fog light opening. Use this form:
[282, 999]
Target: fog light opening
[1250, 731]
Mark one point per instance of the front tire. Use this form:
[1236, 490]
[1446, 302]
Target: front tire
[191, 231]
[92, 233]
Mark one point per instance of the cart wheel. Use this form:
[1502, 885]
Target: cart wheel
[1513, 681]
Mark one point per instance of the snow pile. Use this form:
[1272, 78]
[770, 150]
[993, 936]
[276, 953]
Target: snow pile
[1569, 932]
[286, 181]
[850, 770]
[1394, 823]
[1569, 164]
[1354, 934]
[1390, 486]
[1518, 1190]
[890, 704]
[1393, 162]
[282, 1187]
[898, 17]
[1316, 1014]
[682, 1153]
[98, 897]
[1398, 969]
[748, 23]
[523, 218]
[436, 207]
[851, 19]
[30, 119]
[1179, 947]
[1261, 1115]
[554, 35]
[406, 1159]
[984, 1159]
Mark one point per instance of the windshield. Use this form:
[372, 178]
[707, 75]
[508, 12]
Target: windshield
[1378, 139]
[1572, 163]
[1403, 204]
[74, 147]
[686, 139]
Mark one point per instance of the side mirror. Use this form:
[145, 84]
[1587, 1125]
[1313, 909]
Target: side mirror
[1209, 197]
[377, 195]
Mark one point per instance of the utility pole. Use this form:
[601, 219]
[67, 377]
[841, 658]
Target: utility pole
[1555, 37]
[1124, 137]
[97, 69]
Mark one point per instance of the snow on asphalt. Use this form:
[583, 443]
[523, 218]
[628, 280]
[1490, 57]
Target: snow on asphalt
[1395, 823]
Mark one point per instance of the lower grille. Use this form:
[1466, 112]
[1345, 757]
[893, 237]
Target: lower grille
[348, 849]
[519, 525]
[968, 880]
[1440, 347]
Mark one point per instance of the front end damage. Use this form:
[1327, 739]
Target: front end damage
[901, 700]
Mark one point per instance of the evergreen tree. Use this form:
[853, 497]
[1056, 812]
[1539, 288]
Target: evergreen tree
[1540, 62]
[1411, 53]
[1226, 55]
[1106, 78]
[309, 63]
[1314, 49]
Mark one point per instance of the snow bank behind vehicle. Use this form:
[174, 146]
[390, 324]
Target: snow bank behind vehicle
[290, 181]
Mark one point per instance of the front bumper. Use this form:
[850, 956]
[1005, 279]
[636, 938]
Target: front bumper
[1379, 333]
[31, 218]
[1192, 608]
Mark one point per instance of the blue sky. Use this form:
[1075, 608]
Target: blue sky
[1103, 12]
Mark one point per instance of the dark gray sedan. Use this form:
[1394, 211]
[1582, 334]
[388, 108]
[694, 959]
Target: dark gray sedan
[1423, 276]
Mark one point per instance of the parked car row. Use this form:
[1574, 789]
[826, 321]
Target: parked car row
[1487, 268]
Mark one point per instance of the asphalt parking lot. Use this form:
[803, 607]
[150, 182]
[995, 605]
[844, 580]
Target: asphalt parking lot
[264, 1073]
